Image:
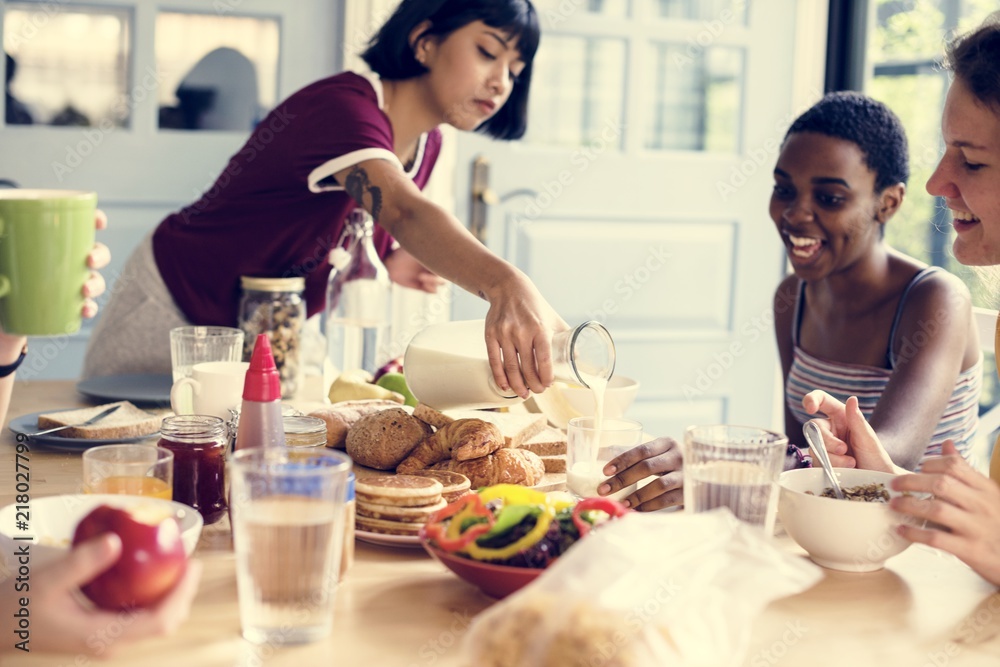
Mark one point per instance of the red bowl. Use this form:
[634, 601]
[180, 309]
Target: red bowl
[497, 581]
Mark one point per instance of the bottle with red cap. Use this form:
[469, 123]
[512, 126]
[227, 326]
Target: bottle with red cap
[260, 417]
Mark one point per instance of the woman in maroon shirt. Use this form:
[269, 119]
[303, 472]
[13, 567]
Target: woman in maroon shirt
[348, 140]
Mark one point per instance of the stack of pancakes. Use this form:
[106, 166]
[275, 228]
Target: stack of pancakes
[400, 504]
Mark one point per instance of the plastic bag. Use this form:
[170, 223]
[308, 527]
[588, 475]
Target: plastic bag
[646, 589]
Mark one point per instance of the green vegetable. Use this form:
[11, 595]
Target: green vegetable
[510, 517]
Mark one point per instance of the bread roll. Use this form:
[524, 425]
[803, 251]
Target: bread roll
[340, 417]
[382, 439]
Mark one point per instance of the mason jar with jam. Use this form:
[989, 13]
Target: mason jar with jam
[199, 444]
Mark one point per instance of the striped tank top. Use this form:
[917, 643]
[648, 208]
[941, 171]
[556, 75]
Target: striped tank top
[841, 380]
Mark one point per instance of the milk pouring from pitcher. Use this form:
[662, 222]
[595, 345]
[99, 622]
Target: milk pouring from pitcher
[446, 365]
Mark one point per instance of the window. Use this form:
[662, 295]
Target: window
[217, 72]
[67, 65]
[904, 55]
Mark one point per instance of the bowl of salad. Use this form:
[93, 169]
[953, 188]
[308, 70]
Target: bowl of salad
[501, 538]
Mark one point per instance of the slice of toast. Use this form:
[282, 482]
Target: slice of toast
[556, 463]
[516, 428]
[550, 442]
[126, 422]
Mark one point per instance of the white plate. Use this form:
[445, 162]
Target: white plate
[29, 424]
[141, 388]
[407, 541]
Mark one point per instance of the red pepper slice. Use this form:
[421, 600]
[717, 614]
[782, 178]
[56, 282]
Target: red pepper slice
[611, 507]
[436, 529]
[436, 533]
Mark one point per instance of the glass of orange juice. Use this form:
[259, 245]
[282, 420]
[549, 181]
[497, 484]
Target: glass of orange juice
[130, 469]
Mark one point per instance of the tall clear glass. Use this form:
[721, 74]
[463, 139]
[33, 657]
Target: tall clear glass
[195, 345]
[288, 531]
[590, 445]
[735, 467]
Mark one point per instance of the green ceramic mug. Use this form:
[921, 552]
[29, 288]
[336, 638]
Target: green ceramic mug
[45, 237]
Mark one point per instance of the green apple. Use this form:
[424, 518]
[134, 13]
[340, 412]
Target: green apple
[397, 382]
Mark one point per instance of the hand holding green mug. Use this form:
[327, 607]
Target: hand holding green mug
[47, 251]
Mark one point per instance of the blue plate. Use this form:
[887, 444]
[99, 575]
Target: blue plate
[135, 388]
[29, 424]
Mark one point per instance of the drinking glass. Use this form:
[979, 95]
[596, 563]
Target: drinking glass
[590, 444]
[195, 345]
[735, 467]
[287, 510]
[130, 469]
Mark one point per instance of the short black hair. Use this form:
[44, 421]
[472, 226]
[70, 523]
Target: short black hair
[868, 124]
[391, 56]
[975, 59]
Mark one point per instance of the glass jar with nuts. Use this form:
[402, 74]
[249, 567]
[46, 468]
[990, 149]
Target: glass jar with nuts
[274, 306]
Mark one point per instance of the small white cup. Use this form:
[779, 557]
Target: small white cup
[213, 389]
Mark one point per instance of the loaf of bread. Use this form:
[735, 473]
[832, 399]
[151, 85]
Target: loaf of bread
[383, 439]
[340, 417]
[124, 423]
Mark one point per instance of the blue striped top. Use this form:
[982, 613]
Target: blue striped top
[841, 380]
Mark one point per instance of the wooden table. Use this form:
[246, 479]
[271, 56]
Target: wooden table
[400, 608]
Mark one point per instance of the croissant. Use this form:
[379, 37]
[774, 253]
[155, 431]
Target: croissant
[505, 466]
[462, 439]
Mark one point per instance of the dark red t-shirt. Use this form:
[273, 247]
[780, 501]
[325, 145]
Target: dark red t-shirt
[275, 210]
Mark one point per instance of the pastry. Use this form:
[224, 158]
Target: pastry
[505, 466]
[460, 440]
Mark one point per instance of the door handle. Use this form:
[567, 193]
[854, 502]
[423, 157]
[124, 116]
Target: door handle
[482, 198]
[486, 196]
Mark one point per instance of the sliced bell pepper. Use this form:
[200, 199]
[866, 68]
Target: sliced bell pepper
[612, 508]
[513, 494]
[450, 536]
[531, 538]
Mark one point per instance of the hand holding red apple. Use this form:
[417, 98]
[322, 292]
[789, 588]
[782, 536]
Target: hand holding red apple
[151, 562]
[60, 623]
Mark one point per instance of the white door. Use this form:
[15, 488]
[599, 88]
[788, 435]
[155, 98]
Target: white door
[118, 63]
[640, 196]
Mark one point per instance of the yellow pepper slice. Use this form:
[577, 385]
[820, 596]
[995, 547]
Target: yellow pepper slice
[531, 538]
[513, 494]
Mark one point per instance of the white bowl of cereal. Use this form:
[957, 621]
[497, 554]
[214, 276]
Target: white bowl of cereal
[852, 535]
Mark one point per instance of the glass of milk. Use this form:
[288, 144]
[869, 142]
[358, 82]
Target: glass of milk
[591, 443]
[735, 467]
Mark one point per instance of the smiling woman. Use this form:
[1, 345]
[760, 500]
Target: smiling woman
[867, 320]
[965, 505]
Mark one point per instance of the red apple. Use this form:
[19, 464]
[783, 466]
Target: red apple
[151, 563]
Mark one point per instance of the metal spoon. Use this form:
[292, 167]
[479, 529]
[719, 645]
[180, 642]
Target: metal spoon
[815, 439]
